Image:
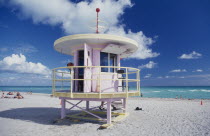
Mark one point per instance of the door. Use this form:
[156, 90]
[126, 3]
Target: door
[80, 70]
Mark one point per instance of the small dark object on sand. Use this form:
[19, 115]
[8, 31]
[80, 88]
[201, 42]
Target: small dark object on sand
[101, 127]
[137, 108]
[114, 108]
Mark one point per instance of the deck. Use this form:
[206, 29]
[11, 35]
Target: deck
[96, 95]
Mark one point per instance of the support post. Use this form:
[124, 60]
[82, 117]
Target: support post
[109, 114]
[63, 108]
[72, 81]
[126, 82]
[124, 105]
[100, 84]
[87, 105]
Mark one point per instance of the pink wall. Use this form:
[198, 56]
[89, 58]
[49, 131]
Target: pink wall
[87, 71]
[106, 85]
[109, 85]
[95, 71]
[93, 59]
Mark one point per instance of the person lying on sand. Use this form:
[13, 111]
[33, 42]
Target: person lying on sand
[19, 96]
[10, 93]
[6, 96]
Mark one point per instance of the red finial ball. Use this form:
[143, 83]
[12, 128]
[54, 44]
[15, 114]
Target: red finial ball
[97, 9]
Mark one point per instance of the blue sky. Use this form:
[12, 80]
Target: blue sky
[174, 37]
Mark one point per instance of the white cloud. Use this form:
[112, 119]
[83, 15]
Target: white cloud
[18, 64]
[178, 70]
[76, 18]
[143, 51]
[72, 17]
[198, 70]
[18, 79]
[149, 65]
[148, 76]
[169, 76]
[193, 55]
[63, 73]
[24, 48]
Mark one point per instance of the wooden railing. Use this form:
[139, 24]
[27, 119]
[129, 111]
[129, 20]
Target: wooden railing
[67, 75]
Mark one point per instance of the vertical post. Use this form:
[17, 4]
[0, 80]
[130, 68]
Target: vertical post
[97, 24]
[54, 78]
[137, 80]
[126, 82]
[76, 57]
[87, 105]
[62, 81]
[118, 81]
[100, 82]
[109, 114]
[124, 105]
[97, 10]
[72, 75]
[63, 108]
[109, 62]
[53, 86]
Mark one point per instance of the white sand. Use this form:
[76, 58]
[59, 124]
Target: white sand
[34, 115]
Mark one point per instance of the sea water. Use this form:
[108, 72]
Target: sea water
[189, 92]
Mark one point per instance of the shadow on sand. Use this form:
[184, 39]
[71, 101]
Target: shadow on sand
[46, 116]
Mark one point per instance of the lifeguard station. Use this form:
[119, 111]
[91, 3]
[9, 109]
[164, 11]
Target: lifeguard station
[97, 74]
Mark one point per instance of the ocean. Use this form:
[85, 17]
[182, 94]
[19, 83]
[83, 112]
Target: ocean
[188, 92]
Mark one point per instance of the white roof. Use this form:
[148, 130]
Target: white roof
[106, 43]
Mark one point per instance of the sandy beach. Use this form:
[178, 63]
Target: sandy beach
[35, 115]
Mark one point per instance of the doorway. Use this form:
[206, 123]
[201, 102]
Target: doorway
[81, 71]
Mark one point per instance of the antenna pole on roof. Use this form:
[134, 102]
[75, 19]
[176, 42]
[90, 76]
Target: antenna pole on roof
[97, 10]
